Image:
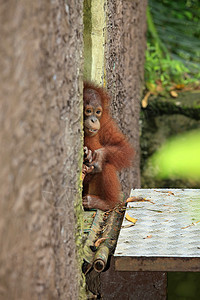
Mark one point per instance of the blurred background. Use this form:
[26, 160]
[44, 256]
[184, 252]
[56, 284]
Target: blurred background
[170, 117]
[47, 48]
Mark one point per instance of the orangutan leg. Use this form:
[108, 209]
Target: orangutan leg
[95, 202]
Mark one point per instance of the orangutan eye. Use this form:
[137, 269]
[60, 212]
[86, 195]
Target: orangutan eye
[88, 111]
[98, 112]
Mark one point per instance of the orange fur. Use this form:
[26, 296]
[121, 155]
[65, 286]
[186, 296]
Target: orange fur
[118, 155]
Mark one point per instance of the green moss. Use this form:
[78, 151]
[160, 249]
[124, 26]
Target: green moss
[187, 104]
[79, 217]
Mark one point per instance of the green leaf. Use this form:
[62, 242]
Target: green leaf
[179, 157]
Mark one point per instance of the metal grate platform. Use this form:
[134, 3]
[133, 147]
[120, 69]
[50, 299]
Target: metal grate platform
[166, 236]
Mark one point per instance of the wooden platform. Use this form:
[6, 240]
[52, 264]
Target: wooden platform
[166, 236]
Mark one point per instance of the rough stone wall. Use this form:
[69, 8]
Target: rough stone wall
[125, 50]
[40, 144]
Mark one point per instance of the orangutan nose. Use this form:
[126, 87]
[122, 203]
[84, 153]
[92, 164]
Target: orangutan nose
[93, 119]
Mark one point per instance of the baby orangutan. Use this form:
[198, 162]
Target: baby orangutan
[106, 151]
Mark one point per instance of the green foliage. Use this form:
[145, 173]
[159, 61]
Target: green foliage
[183, 285]
[179, 157]
[173, 48]
[164, 69]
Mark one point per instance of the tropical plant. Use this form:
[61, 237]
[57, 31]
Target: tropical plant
[173, 48]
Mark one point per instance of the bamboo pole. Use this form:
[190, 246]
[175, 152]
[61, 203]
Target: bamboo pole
[110, 235]
[93, 235]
